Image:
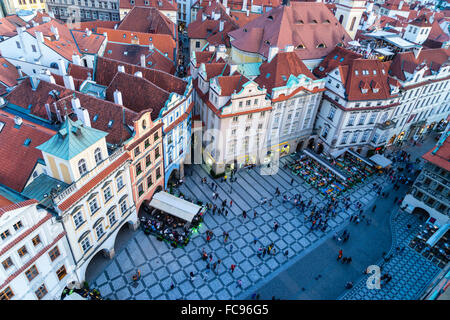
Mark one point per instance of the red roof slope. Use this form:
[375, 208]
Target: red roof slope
[276, 73]
[338, 57]
[165, 5]
[231, 84]
[8, 75]
[442, 157]
[17, 161]
[307, 24]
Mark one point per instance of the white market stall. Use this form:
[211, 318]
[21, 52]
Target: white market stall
[175, 206]
[380, 161]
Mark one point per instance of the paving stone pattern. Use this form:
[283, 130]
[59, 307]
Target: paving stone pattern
[161, 264]
[411, 272]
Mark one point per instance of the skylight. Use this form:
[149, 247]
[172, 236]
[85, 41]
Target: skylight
[27, 142]
[2, 124]
[110, 123]
[95, 118]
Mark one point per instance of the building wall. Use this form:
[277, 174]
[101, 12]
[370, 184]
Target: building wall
[38, 254]
[351, 12]
[84, 10]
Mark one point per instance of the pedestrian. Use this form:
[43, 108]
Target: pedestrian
[395, 200]
[264, 252]
[172, 286]
[244, 214]
[286, 253]
[192, 276]
[231, 247]
[374, 207]
[254, 214]
[292, 181]
[233, 266]
[255, 240]
[275, 226]
[208, 237]
[214, 266]
[344, 260]
[349, 259]
[239, 284]
[210, 257]
[340, 254]
[226, 213]
[231, 203]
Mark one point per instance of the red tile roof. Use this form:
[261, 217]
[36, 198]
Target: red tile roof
[407, 62]
[152, 97]
[163, 42]
[93, 25]
[338, 57]
[88, 44]
[422, 22]
[231, 84]
[309, 24]
[216, 68]
[17, 161]
[395, 5]
[164, 5]
[442, 157]
[4, 202]
[131, 53]
[237, 4]
[204, 57]
[276, 73]
[148, 20]
[8, 73]
[66, 204]
[7, 29]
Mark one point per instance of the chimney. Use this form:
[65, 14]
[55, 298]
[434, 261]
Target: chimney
[289, 48]
[58, 113]
[400, 5]
[244, 5]
[55, 31]
[227, 10]
[138, 74]
[20, 30]
[76, 59]
[62, 67]
[121, 68]
[39, 36]
[118, 97]
[88, 32]
[18, 120]
[19, 71]
[272, 53]
[83, 116]
[211, 48]
[34, 82]
[203, 16]
[49, 113]
[46, 19]
[76, 104]
[225, 3]
[221, 24]
[151, 47]
[2, 101]
[68, 82]
[247, 13]
[143, 60]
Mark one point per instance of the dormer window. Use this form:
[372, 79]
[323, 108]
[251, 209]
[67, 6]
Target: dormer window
[300, 46]
[132, 2]
[270, 18]
[267, 42]
[299, 22]
[314, 21]
[364, 90]
[321, 45]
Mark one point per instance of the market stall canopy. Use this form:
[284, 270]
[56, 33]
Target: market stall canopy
[338, 153]
[175, 206]
[326, 165]
[360, 157]
[438, 235]
[74, 296]
[381, 160]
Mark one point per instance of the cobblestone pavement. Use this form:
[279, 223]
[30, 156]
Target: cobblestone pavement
[410, 271]
[161, 265]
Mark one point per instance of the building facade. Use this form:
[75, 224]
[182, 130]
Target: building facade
[84, 10]
[349, 13]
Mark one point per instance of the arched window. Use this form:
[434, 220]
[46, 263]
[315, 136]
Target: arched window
[54, 65]
[341, 18]
[353, 23]
[82, 166]
[98, 155]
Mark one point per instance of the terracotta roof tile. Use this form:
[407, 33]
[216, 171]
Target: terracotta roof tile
[17, 161]
[8, 73]
[309, 24]
[88, 43]
[441, 157]
[165, 5]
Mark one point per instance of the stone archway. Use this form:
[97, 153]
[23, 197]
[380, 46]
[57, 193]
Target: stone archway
[123, 235]
[319, 148]
[299, 146]
[421, 213]
[96, 265]
[311, 143]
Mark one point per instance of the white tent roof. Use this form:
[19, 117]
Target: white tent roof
[438, 234]
[381, 160]
[175, 206]
[74, 296]
[328, 166]
[337, 153]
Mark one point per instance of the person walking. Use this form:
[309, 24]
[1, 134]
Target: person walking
[374, 207]
[292, 181]
[244, 214]
[286, 253]
[254, 213]
[349, 259]
[275, 226]
[231, 203]
[264, 252]
[232, 267]
[239, 284]
[255, 239]
[340, 254]
[191, 274]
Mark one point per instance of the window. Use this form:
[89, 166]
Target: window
[148, 161]
[78, 219]
[112, 217]
[147, 143]
[41, 292]
[137, 151]
[372, 118]
[247, 103]
[158, 173]
[22, 251]
[31, 273]
[5, 234]
[240, 104]
[138, 169]
[155, 136]
[36, 240]
[107, 194]
[18, 225]
[123, 206]
[141, 189]
[82, 167]
[255, 102]
[119, 182]
[54, 253]
[344, 137]
[93, 206]
[351, 119]
[33, 48]
[249, 116]
[362, 119]
[99, 230]
[157, 153]
[331, 114]
[149, 182]
[325, 132]
[235, 119]
[375, 138]
[61, 272]
[197, 44]
[7, 263]
[98, 155]
[18, 44]
[355, 137]
[85, 244]
[6, 294]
